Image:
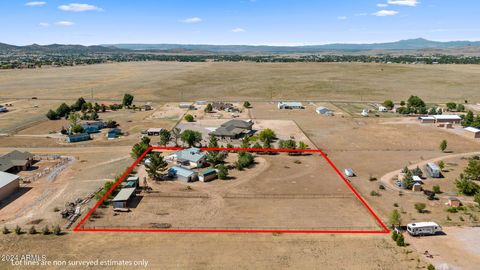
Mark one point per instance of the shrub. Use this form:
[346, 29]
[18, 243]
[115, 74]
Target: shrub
[452, 210]
[400, 240]
[247, 104]
[430, 267]
[18, 230]
[222, 172]
[394, 235]
[436, 189]
[32, 230]
[56, 209]
[374, 193]
[51, 115]
[372, 178]
[395, 204]
[5, 230]
[420, 207]
[46, 230]
[57, 230]
[189, 118]
[382, 187]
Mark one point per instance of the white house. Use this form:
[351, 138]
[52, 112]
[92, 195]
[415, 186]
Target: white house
[290, 105]
[324, 111]
[447, 118]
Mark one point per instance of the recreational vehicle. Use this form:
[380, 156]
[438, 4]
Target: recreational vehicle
[423, 228]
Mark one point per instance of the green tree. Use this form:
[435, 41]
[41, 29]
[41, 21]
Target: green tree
[472, 171]
[32, 230]
[400, 240]
[77, 106]
[94, 116]
[5, 230]
[74, 118]
[388, 104]
[176, 135]
[476, 198]
[209, 108]
[247, 104]
[420, 207]
[18, 230]
[430, 267]
[443, 145]
[52, 115]
[460, 108]
[415, 102]
[46, 230]
[441, 165]
[402, 103]
[138, 149]
[77, 129]
[436, 189]
[63, 110]
[466, 186]
[245, 159]
[394, 218]
[127, 100]
[191, 137]
[222, 172]
[156, 166]
[394, 235]
[267, 135]
[189, 118]
[165, 137]
[468, 120]
[57, 230]
[452, 106]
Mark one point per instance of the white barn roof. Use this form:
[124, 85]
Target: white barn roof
[472, 129]
[447, 117]
[7, 178]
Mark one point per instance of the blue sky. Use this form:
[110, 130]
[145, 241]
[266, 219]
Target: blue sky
[272, 22]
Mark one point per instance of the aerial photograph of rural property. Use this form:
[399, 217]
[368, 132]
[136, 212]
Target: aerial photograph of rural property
[240, 134]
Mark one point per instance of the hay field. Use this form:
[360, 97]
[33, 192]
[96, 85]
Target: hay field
[171, 81]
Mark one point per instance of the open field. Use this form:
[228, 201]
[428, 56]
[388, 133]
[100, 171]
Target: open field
[170, 81]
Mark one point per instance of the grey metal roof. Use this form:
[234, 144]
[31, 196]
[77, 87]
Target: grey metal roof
[124, 195]
[191, 154]
[179, 171]
[14, 158]
[233, 127]
[7, 178]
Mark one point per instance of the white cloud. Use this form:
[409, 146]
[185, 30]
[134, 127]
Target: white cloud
[238, 30]
[192, 20]
[342, 17]
[35, 3]
[382, 5]
[44, 24]
[410, 3]
[75, 7]
[385, 12]
[64, 23]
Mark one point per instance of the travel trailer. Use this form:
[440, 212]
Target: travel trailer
[423, 228]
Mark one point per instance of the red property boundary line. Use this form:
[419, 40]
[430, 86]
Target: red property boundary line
[384, 229]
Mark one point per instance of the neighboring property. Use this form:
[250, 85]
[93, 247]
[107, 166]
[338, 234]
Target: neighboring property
[183, 174]
[289, 105]
[324, 111]
[433, 170]
[191, 158]
[454, 202]
[113, 133]
[9, 183]
[233, 129]
[73, 138]
[472, 132]
[93, 127]
[382, 109]
[123, 198]
[447, 118]
[224, 106]
[427, 119]
[416, 179]
[207, 175]
[16, 161]
[188, 106]
[154, 131]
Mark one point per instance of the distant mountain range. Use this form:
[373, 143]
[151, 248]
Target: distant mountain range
[402, 45]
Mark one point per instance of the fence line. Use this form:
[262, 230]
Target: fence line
[337, 228]
[287, 196]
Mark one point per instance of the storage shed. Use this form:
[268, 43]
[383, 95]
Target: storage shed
[154, 131]
[454, 202]
[417, 187]
[427, 119]
[448, 118]
[324, 111]
[9, 183]
[123, 197]
[290, 105]
[207, 175]
[72, 138]
[433, 170]
[472, 132]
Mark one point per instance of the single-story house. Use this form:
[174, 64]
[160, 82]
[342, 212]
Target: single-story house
[201, 102]
[233, 129]
[207, 175]
[472, 132]
[113, 133]
[123, 198]
[290, 105]
[454, 202]
[427, 119]
[433, 170]
[16, 161]
[185, 106]
[9, 183]
[183, 174]
[324, 111]
[80, 137]
[154, 131]
[447, 118]
[191, 157]
[93, 127]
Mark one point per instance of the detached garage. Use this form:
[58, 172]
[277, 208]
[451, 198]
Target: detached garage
[9, 183]
[123, 198]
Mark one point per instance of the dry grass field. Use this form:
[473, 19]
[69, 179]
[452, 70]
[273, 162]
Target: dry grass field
[170, 81]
